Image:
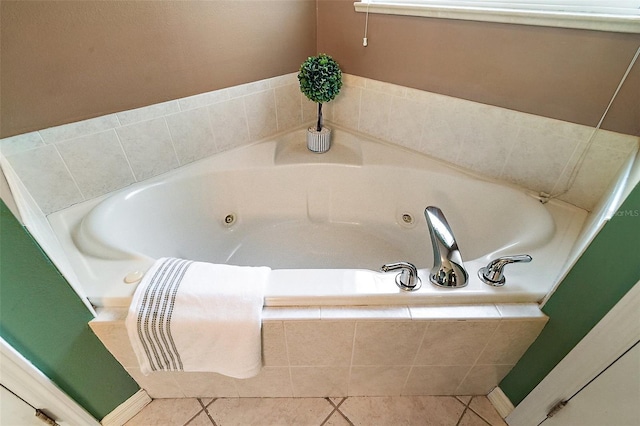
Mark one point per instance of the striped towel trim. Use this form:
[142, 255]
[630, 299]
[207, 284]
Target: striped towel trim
[154, 317]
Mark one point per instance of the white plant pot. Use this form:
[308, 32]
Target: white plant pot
[318, 142]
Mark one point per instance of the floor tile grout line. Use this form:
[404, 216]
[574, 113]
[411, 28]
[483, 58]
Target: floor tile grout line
[480, 415]
[195, 415]
[329, 416]
[345, 417]
[206, 409]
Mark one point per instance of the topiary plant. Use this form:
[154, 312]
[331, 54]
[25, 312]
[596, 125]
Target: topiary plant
[320, 81]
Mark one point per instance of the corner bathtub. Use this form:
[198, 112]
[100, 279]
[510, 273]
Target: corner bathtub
[325, 223]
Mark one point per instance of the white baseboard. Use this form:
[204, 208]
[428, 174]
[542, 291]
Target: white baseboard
[500, 402]
[127, 410]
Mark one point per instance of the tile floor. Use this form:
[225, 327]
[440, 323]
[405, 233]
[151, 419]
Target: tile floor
[369, 411]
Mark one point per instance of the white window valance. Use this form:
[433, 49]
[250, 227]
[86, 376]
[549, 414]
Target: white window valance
[604, 15]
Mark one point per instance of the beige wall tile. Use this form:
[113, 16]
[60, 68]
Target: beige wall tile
[435, 380]
[271, 382]
[192, 136]
[79, 128]
[377, 380]
[454, 342]
[288, 107]
[205, 385]
[261, 114]
[510, 340]
[97, 162]
[326, 343]
[345, 108]
[148, 147]
[159, 384]
[482, 379]
[229, 124]
[319, 381]
[274, 346]
[47, 178]
[114, 337]
[387, 342]
[374, 113]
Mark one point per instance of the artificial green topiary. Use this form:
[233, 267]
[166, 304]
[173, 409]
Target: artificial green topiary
[320, 81]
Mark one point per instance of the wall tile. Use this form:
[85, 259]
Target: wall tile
[148, 147]
[229, 124]
[454, 342]
[203, 99]
[248, 88]
[285, 80]
[192, 136]
[20, 143]
[617, 141]
[274, 349]
[310, 110]
[470, 312]
[272, 381]
[485, 140]
[387, 342]
[383, 87]
[80, 128]
[601, 165]
[288, 107]
[97, 163]
[115, 338]
[377, 380]
[307, 342]
[47, 178]
[365, 313]
[482, 379]
[374, 113]
[345, 108]
[211, 385]
[159, 384]
[406, 119]
[435, 380]
[148, 112]
[538, 159]
[319, 381]
[510, 340]
[261, 114]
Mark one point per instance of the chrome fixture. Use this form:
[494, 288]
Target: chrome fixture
[493, 273]
[408, 279]
[448, 269]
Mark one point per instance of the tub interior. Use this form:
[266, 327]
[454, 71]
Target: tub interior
[346, 213]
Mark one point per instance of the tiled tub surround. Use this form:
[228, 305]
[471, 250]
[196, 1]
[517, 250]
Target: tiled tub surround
[357, 351]
[64, 165]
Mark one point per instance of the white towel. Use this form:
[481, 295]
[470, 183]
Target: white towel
[195, 316]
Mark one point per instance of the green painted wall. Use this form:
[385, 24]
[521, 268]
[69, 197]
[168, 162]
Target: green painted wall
[602, 276]
[43, 318]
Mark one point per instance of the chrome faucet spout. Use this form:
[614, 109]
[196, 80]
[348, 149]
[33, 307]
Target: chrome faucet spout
[448, 269]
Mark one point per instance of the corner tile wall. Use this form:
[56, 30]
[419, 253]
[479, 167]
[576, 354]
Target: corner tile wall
[64, 165]
[359, 351]
[535, 152]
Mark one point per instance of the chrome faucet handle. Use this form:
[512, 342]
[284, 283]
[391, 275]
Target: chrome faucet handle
[407, 279]
[493, 273]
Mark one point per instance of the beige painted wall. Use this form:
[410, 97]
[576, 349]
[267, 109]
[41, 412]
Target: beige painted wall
[64, 61]
[558, 73]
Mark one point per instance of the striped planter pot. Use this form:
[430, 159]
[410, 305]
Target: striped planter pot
[318, 142]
